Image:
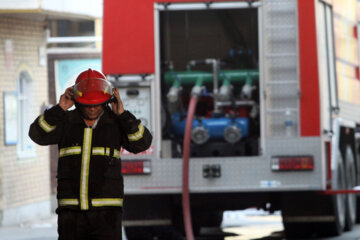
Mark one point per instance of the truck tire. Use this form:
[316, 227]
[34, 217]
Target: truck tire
[339, 200]
[351, 201]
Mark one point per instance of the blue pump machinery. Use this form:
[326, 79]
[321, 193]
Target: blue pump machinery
[221, 128]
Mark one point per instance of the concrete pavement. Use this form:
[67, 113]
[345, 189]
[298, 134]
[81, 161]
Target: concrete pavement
[44, 229]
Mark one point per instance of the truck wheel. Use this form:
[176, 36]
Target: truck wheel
[312, 214]
[351, 202]
[339, 200]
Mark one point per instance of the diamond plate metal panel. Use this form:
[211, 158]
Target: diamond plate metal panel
[281, 69]
[280, 12]
[282, 40]
[280, 64]
[277, 125]
[282, 96]
[237, 174]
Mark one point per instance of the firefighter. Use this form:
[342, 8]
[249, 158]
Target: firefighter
[89, 138]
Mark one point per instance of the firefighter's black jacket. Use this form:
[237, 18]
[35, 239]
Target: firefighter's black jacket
[89, 167]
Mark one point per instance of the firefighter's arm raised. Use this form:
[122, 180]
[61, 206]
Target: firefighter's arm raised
[66, 100]
[47, 128]
[137, 137]
[117, 106]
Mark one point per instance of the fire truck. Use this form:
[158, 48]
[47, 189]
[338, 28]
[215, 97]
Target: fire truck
[250, 103]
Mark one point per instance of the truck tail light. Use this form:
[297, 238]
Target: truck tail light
[136, 167]
[297, 163]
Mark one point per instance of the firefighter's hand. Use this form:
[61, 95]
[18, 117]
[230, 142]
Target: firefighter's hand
[66, 100]
[117, 106]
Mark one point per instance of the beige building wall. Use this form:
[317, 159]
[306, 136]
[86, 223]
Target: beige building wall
[24, 181]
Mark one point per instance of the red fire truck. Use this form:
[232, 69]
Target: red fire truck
[251, 103]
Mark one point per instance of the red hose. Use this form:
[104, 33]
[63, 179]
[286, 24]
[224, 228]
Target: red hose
[185, 171]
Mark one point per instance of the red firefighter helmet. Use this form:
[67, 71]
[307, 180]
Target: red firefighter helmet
[92, 88]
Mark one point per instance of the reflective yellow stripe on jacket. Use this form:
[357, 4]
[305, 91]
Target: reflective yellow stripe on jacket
[85, 166]
[87, 151]
[103, 202]
[101, 151]
[136, 136]
[69, 151]
[45, 125]
[95, 202]
[68, 202]
[116, 153]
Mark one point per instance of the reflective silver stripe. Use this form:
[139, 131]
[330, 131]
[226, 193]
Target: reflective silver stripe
[85, 164]
[68, 202]
[45, 125]
[116, 153]
[102, 202]
[139, 134]
[101, 151]
[69, 151]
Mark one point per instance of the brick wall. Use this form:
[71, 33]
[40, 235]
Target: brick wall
[23, 181]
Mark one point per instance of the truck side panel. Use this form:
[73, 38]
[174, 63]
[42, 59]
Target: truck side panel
[309, 82]
[129, 31]
[128, 38]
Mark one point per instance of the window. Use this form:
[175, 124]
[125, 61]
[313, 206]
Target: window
[25, 147]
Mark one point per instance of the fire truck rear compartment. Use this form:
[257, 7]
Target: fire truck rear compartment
[214, 53]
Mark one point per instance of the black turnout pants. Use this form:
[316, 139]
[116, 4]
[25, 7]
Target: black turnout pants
[89, 225]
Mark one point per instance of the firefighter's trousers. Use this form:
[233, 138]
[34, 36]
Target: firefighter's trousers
[89, 225]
